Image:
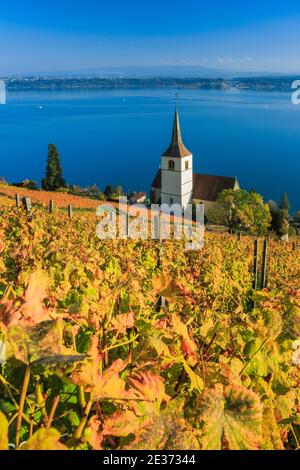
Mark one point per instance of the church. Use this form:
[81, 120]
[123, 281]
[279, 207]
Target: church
[176, 183]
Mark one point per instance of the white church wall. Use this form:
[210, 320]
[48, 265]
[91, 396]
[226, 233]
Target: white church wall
[165, 163]
[186, 174]
[177, 184]
[182, 162]
[208, 205]
[186, 199]
[171, 182]
[170, 199]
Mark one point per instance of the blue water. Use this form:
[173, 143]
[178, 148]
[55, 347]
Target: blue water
[116, 137]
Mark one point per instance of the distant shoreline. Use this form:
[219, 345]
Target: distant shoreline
[282, 84]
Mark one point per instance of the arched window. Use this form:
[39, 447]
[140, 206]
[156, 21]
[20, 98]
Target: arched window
[171, 165]
[187, 165]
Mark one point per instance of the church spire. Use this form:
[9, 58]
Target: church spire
[177, 148]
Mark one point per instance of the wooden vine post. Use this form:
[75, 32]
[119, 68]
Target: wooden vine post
[26, 201]
[255, 265]
[18, 200]
[264, 265]
[51, 207]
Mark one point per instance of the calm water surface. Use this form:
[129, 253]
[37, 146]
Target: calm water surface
[117, 137]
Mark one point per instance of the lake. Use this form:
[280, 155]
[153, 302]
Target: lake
[117, 136]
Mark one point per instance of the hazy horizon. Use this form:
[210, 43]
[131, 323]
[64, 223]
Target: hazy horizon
[154, 71]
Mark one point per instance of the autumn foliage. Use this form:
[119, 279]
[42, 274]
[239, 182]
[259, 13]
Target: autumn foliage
[60, 199]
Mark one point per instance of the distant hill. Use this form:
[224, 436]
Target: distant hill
[265, 83]
[142, 72]
[171, 71]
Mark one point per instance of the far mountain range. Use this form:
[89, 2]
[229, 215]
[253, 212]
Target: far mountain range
[160, 71]
[193, 77]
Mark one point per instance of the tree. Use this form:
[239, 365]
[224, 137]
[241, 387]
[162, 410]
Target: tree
[31, 184]
[297, 216]
[101, 196]
[280, 215]
[54, 176]
[273, 206]
[109, 191]
[119, 190]
[241, 210]
[279, 221]
[28, 184]
[93, 190]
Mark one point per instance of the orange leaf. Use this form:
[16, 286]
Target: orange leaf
[122, 322]
[33, 311]
[106, 385]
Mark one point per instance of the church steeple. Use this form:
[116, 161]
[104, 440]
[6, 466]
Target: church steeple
[176, 148]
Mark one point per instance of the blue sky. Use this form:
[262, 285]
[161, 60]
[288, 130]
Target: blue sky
[49, 36]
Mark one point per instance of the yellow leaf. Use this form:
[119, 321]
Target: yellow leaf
[3, 432]
[44, 439]
[196, 381]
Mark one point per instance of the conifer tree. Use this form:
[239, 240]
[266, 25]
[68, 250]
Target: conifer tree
[54, 175]
[285, 203]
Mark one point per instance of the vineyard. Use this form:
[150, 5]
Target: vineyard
[42, 198]
[129, 344]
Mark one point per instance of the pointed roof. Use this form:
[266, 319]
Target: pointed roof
[176, 148]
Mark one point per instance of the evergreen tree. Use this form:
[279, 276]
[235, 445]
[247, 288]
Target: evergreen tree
[109, 191]
[54, 175]
[273, 206]
[279, 221]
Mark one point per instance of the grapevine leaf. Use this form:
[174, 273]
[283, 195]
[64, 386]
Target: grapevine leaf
[271, 436]
[3, 432]
[231, 418]
[44, 439]
[196, 381]
[106, 385]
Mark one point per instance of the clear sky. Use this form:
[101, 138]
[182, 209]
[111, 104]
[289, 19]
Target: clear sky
[70, 35]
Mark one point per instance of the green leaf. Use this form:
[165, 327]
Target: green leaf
[196, 381]
[231, 418]
[166, 431]
[271, 434]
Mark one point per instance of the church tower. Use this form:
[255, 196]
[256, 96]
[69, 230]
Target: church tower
[177, 170]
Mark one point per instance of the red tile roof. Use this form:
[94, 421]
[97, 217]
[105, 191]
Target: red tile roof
[207, 187]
